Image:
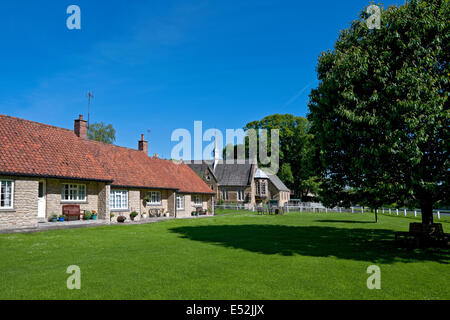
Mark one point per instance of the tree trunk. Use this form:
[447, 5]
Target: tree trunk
[376, 215]
[427, 212]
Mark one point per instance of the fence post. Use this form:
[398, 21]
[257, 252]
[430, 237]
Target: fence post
[405, 212]
[352, 209]
[415, 213]
[326, 210]
[362, 209]
[389, 210]
[383, 210]
[439, 215]
[397, 211]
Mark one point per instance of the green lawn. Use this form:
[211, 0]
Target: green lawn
[243, 256]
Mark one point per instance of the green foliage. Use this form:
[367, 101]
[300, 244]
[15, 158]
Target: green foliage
[381, 112]
[101, 132]
[285, 174]
[297, 152]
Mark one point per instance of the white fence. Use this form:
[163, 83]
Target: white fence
[397, 211]
[232, 207]
[318, 207]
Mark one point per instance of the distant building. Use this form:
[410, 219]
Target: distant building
[240, 183]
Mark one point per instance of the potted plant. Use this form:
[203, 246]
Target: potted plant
[133, 215]
[61, 218]
[144, 215]
[121, 219]
[87, 215]
[94, 215]
[53, 218]
[111, 215]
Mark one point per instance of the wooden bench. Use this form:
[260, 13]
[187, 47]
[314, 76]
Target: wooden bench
[260, 210]
[71, 212]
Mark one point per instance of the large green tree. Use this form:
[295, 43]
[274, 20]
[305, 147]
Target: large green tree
[296, 150]
[102, 132]
[380, 115]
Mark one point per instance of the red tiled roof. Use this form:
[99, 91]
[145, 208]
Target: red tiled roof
[133, 168]
[34, 149]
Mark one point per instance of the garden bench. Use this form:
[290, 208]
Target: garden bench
[260, 210]
[71, 212]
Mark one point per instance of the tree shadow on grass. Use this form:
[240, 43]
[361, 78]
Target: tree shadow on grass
[372, 245]
[344, 221]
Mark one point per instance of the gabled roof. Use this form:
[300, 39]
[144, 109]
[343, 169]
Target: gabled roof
[261, 174]
[234, 174]
[133, 168]
[278, 183]
[201, 168]
[35, 149]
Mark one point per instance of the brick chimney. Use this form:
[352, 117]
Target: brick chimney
[80, 127]
[143, 145]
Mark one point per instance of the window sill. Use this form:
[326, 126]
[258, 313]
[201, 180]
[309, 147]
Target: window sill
[7, 210]
[73, 202]
[119, 210]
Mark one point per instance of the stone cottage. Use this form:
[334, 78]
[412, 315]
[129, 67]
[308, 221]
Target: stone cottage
[43, 167]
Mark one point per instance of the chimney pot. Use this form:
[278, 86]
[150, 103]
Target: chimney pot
[143, 145]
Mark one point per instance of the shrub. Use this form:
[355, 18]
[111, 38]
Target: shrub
[121, 219]
[87, 215]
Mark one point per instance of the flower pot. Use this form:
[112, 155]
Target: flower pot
[61, 219]
[94, 217]
[53, 219]
[144, 216]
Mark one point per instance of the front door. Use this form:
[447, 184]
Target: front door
[41, 200]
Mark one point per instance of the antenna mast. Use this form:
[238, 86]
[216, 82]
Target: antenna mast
[90, 96]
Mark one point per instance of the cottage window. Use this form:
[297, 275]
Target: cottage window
[155, 197]
[224, 194]
[6, 194]
[197, 200]
[118, 200]
[73, 192]
[240, 195]
[180, 202]
[261, 188]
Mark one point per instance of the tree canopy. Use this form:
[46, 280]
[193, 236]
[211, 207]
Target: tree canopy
[297, 169]
[380, 115]
[102, 132]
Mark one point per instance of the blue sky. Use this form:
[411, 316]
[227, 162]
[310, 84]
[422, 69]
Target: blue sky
[161, 65]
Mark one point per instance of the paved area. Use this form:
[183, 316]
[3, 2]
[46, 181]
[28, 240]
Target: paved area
[45, 225]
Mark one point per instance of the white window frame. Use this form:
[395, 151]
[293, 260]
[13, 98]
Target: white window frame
[123, 203]
[199, 202]
[180, 200]
[225, 195]
[73, 187]
[157, 195]
[240, 195]
[11, 200]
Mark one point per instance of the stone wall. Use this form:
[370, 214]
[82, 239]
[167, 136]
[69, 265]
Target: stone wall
[55, 203]
[189, 205]
[25, 211]
[103, 203]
